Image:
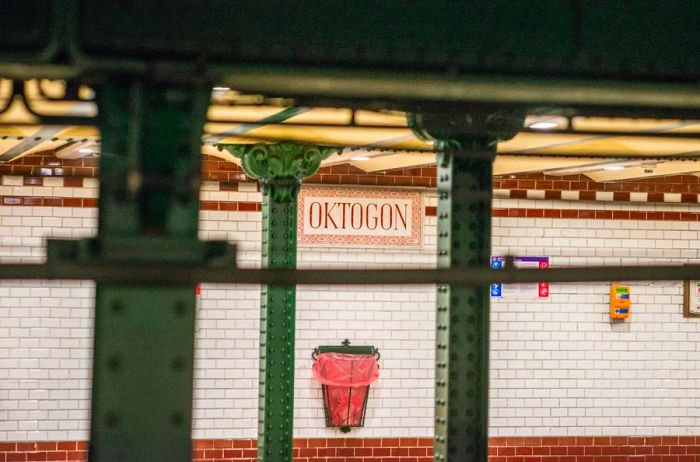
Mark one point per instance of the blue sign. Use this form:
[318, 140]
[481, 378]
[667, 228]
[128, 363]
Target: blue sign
[540, 290]
[497, 289]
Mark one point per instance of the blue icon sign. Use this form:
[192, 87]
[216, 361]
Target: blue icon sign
[496, 289]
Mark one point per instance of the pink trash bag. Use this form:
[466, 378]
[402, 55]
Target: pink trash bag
[345, 379]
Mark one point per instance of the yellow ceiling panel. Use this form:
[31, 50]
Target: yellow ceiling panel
[17, 113]
[43, 146]
[277, 114]
[636, 125]
[222, 154]
[508, 165]
[551, 143]
[6, 145]
[393, 118]
[79, 132]
[5, 89]
[17, 130]
[397, 138]
[12, 149]
[344, 127]
[384, 161]
[647, 171]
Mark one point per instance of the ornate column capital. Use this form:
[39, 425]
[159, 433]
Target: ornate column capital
[281, 166]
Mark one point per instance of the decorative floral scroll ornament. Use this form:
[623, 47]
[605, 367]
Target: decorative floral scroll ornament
[281, 166]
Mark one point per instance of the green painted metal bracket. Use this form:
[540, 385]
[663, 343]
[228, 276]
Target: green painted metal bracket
[466, 147]
[280, 168]
[345, 347]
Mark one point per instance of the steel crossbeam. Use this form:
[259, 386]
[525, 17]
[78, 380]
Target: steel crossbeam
[167, 275]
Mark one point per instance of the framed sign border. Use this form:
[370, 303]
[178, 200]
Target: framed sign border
[415, 241]
[686, 300]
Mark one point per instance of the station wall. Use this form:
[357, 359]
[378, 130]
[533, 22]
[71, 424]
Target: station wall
[558, 366]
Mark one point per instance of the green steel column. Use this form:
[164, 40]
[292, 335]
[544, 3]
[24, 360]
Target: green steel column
[466, 147]
[280, 168]
[148, 212]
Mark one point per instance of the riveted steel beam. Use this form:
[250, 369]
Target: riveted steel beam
[172, 275]
[466, 147]
[280, 168]
[148, 215]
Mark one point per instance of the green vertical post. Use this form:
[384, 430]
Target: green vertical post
[148, 213]
[466, 148]
[280, 169]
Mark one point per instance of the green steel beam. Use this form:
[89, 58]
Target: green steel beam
[150, 274]
[592, 56]
[148, 213]
[600, 40]
[462, 340]
[280, 168]
[464, 173]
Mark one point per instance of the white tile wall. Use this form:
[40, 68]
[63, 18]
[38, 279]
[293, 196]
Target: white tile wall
[561, 367]
[399, 320]
[558, 367]
[45, 398]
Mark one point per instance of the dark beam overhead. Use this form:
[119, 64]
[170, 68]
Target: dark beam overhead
[627, 57]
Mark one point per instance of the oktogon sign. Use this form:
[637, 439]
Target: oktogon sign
[359, 216]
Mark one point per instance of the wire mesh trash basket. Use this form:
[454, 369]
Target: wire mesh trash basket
[345, 373]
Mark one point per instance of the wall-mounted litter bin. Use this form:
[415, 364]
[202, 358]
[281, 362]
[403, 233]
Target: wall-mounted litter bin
[345, 373]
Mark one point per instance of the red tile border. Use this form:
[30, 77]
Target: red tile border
[501, 449]
[40, 201]
[45, 164]
[72, 182]
[429, 211]
[230, 177]
[579, 182]
[621, 196]
[32, 181]
[591, 214]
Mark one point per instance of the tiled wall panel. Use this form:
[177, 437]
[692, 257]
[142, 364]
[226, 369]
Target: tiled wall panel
[559, 367]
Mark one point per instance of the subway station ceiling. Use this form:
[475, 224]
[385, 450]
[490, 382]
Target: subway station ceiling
[52, 115]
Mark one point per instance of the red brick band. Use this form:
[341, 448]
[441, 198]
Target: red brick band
[599, 196]
[587, 214]
[580, 182]
[46, 165]
[511, 449]
[45, 201]
[595, 449]
[43, 450]
[244, 450]
[430, 211]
